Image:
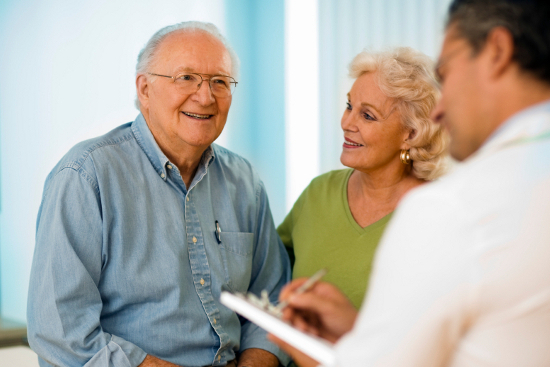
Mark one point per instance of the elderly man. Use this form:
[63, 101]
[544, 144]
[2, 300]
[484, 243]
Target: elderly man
[139, 230]
[462, 275]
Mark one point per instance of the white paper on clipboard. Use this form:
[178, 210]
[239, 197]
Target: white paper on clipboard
[315, 347]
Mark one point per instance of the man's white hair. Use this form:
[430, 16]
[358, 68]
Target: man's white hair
[147, 54]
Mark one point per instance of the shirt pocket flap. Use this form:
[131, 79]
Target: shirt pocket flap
[240, 243]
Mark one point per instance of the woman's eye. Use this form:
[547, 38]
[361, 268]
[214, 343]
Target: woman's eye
[368, 116]
[348, 106]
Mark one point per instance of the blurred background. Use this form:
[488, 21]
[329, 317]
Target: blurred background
[67, 74]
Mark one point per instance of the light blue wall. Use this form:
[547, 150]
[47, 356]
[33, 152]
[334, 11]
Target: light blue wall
[3, 11]
[256, 126]
[66, 74]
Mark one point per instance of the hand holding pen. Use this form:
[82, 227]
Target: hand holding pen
[305, 286]
[319, 308]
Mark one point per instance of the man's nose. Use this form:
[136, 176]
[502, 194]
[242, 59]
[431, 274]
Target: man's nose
[204, 93]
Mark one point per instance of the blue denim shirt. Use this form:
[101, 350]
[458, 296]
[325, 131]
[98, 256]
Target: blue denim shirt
[127, 262]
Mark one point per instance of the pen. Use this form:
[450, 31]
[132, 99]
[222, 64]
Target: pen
[304, 287]
[218, 232]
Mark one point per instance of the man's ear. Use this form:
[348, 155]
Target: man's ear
[500, 51]
[142, 88]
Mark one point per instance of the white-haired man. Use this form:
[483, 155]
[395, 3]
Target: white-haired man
[461, 277]
[140, 229]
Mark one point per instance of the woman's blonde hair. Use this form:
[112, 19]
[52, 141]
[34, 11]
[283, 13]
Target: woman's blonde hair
[407, 76]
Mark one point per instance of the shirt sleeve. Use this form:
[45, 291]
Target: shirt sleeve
[270, 271]
[64, 302]
[420, 293]
[285, 232]
[286, 228]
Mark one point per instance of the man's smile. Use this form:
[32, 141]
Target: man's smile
[196, 115]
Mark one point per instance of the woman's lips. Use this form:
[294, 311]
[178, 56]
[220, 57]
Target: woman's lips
[348, 143]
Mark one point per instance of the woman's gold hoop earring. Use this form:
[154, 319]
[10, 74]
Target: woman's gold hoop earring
[405, 157]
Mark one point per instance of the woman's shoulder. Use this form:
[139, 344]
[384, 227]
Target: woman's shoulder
[323, 195]
[330, 180]
[324, 190]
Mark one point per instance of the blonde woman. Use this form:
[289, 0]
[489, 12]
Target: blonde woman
[390, 146]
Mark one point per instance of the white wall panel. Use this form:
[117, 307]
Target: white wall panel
[346, 27]
[301, 99]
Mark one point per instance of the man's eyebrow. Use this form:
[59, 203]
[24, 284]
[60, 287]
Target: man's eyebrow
[187, 69]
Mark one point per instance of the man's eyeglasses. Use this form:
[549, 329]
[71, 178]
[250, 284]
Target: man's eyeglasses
[187, 83]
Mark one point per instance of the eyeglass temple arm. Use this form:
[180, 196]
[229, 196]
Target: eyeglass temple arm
[165, 76]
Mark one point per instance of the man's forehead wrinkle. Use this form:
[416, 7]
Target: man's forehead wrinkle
[192, 52]
[188, 69]
[199, 39]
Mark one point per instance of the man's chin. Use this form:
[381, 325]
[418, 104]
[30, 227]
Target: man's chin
[460, 152]
[203, 141]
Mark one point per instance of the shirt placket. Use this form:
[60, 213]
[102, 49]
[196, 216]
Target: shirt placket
[200, 270]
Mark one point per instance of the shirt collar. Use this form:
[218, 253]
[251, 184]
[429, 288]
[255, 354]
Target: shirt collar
[158, 159]
[529, 124]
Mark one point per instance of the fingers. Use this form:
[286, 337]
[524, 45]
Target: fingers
[290, 288]
[317, 293]
[329, 291]
[322, 289]
[323, 310]
[317, 300]
[307, 322]
[302, 320]
[282, 344]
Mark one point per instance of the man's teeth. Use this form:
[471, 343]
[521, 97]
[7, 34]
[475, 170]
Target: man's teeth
[354, 144]
[197, 116]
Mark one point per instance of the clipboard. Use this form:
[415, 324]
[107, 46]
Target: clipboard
[315, 347]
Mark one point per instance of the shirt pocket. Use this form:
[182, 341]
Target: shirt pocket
[237, 249]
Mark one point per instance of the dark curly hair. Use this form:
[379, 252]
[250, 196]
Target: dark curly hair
[527, 20]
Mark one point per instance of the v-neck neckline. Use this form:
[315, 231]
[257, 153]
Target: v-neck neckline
[361, 230]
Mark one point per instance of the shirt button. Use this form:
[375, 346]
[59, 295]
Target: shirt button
[162, 175]
[187, 198]
[215, 322]
[194, 239]
[202, 281]
[219, 357]
[169, 166]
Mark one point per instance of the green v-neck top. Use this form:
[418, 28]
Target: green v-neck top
[320, 232]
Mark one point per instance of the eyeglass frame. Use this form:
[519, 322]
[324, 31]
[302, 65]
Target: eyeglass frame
[202, 80]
